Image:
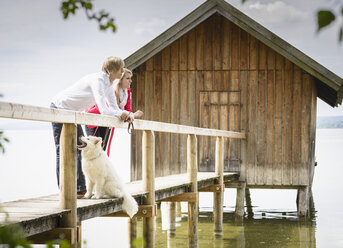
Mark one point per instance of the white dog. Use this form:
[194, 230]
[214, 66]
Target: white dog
[100, 173]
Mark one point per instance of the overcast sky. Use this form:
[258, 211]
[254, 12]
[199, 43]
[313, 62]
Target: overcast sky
[41, 54]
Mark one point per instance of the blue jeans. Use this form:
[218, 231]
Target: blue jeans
[57, 129]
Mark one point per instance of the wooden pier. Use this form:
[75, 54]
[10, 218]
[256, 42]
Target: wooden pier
[44, 218]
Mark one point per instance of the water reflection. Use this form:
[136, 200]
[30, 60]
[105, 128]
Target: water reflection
[275, 229]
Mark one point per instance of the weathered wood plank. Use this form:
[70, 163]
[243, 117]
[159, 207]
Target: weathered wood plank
[234, 120]
[192, 100]
[184, 106]
[244, 50]
[313, 127]
[214, 122]
[270, 59]
[174, 118]
[217, 48]
[204, 123]
[270, 138]
[200, 39]
[296, 134]
[279, 126]
[252, 134]
[165, 137]
[235, 36]
[158, 62]
[261, 127]
[253, 53]
[288, 128]
[149, 95]
[183, 52]
[305, 129]
[208, 44]
[166, 58]
[157, 108]
[174, 53]
[191, 50]
[262, 56]
[244, 121]
[149, 64]
[226, 62]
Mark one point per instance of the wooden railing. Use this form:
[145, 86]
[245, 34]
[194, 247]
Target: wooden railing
[68, 159]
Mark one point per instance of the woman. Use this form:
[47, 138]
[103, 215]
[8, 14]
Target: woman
[96, 88]
[123, 97]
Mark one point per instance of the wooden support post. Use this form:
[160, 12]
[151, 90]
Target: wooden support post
[79, 234]
[248, 203]
[171, 219]
[218, 196]
[303, 204]
[132, 228]
[192, 169]
[68, 158]
[312, 209]
[240, 200]
[148, 160]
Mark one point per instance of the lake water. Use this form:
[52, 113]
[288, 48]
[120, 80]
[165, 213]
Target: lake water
[27, 169]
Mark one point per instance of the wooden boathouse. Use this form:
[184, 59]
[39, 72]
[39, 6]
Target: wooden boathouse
[227, 103]
[218, 68]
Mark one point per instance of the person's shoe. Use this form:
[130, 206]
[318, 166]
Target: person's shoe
[81, 194]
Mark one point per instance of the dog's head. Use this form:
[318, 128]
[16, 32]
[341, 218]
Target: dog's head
[89, 143]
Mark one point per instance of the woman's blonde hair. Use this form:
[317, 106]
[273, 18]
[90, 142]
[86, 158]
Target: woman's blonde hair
[112, 64]
[117, 81]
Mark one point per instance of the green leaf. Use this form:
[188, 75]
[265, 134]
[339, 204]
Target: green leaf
[340, 34]
[89, 6]
[324, 18]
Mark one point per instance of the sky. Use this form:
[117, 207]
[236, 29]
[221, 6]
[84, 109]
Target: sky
[42, 54]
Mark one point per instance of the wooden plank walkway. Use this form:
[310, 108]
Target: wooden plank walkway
[41, 214]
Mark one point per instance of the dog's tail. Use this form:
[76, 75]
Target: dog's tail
[130, 205]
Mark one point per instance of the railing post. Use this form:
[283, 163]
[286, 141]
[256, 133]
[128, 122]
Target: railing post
[68, 158]
[148, 160]
[218, 196]
[132, 229]
[192, 169]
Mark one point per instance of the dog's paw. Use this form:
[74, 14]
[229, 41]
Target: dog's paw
[88, 195]
[118, 193]
[98, 196]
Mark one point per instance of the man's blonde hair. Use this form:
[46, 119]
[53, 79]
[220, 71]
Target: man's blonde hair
[112, 64]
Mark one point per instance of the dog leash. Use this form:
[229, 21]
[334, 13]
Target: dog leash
[130, 128]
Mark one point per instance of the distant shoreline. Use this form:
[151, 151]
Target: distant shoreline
[329, 122]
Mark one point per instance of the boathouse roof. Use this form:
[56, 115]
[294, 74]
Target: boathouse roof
[329, 85]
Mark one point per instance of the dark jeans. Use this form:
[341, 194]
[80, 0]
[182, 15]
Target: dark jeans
[100, 132]
[57, 129]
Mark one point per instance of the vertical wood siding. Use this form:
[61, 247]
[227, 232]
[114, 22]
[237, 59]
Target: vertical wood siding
[219, 76]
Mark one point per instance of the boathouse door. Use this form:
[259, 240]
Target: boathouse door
[219, 110]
